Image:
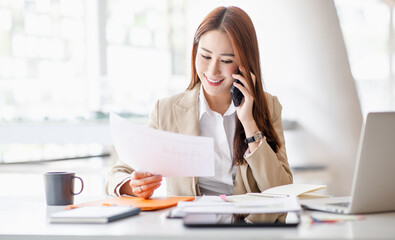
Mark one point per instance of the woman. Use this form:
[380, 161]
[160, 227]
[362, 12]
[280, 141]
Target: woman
[249, 143]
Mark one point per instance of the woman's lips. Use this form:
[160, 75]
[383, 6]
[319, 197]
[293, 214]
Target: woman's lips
[213, 82]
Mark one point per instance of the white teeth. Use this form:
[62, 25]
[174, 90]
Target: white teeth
[212, 81]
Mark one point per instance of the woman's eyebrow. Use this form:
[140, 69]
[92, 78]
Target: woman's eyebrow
[222, 54]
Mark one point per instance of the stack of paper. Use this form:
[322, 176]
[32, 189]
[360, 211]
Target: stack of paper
[274, 200]
[214, 204]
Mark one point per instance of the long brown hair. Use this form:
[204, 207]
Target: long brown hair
[238, 26]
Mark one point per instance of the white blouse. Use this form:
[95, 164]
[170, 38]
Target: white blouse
[221, 129]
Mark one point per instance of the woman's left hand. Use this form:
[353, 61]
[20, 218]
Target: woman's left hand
[244, 111]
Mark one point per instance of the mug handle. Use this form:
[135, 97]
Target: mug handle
[82, 185]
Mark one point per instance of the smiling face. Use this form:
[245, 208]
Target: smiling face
[215, 64]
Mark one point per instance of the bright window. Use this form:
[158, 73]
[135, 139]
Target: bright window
[42, 59]
[69, 61]
[366, 26]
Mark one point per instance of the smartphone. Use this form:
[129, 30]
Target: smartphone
[237, 96]
[195, 220]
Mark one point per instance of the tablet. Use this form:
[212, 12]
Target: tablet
[237, 220]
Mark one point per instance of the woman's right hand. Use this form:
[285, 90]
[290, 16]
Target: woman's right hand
[143, 184]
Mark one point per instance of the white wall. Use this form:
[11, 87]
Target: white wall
[305, 63]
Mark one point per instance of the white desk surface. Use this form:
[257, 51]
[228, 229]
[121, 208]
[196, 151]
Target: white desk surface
[27, 218]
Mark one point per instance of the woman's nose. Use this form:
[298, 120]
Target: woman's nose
[214, 68]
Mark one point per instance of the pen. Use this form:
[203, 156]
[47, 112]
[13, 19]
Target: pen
[258, 205]
[270, 195]
[315, 220]
[114, 205]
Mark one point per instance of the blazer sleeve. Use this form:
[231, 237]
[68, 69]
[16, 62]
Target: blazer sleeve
[117, 174]
[266, 168]
[120, 171]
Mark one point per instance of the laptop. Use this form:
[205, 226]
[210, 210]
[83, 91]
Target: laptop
[373, 186]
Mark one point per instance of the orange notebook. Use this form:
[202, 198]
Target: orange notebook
[142, 203]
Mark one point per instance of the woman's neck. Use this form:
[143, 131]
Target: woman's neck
[218, 104]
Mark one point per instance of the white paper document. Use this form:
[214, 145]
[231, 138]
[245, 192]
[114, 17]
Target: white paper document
[263, 205]
[160, 152]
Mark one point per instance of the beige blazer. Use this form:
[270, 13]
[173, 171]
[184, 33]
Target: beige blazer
[180, 114]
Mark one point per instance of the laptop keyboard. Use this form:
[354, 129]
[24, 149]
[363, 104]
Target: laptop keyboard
[340, 204]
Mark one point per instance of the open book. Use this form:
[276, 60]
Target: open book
[297, 190]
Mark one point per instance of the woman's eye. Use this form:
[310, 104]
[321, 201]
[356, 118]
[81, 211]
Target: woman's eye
[205, 57]
[227, 61]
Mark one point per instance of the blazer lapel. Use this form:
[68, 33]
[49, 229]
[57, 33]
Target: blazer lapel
[186, 112]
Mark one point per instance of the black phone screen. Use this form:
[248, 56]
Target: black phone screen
[236, 220]
[237, 96]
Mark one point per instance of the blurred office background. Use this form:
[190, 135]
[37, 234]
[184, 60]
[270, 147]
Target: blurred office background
[65, 64]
